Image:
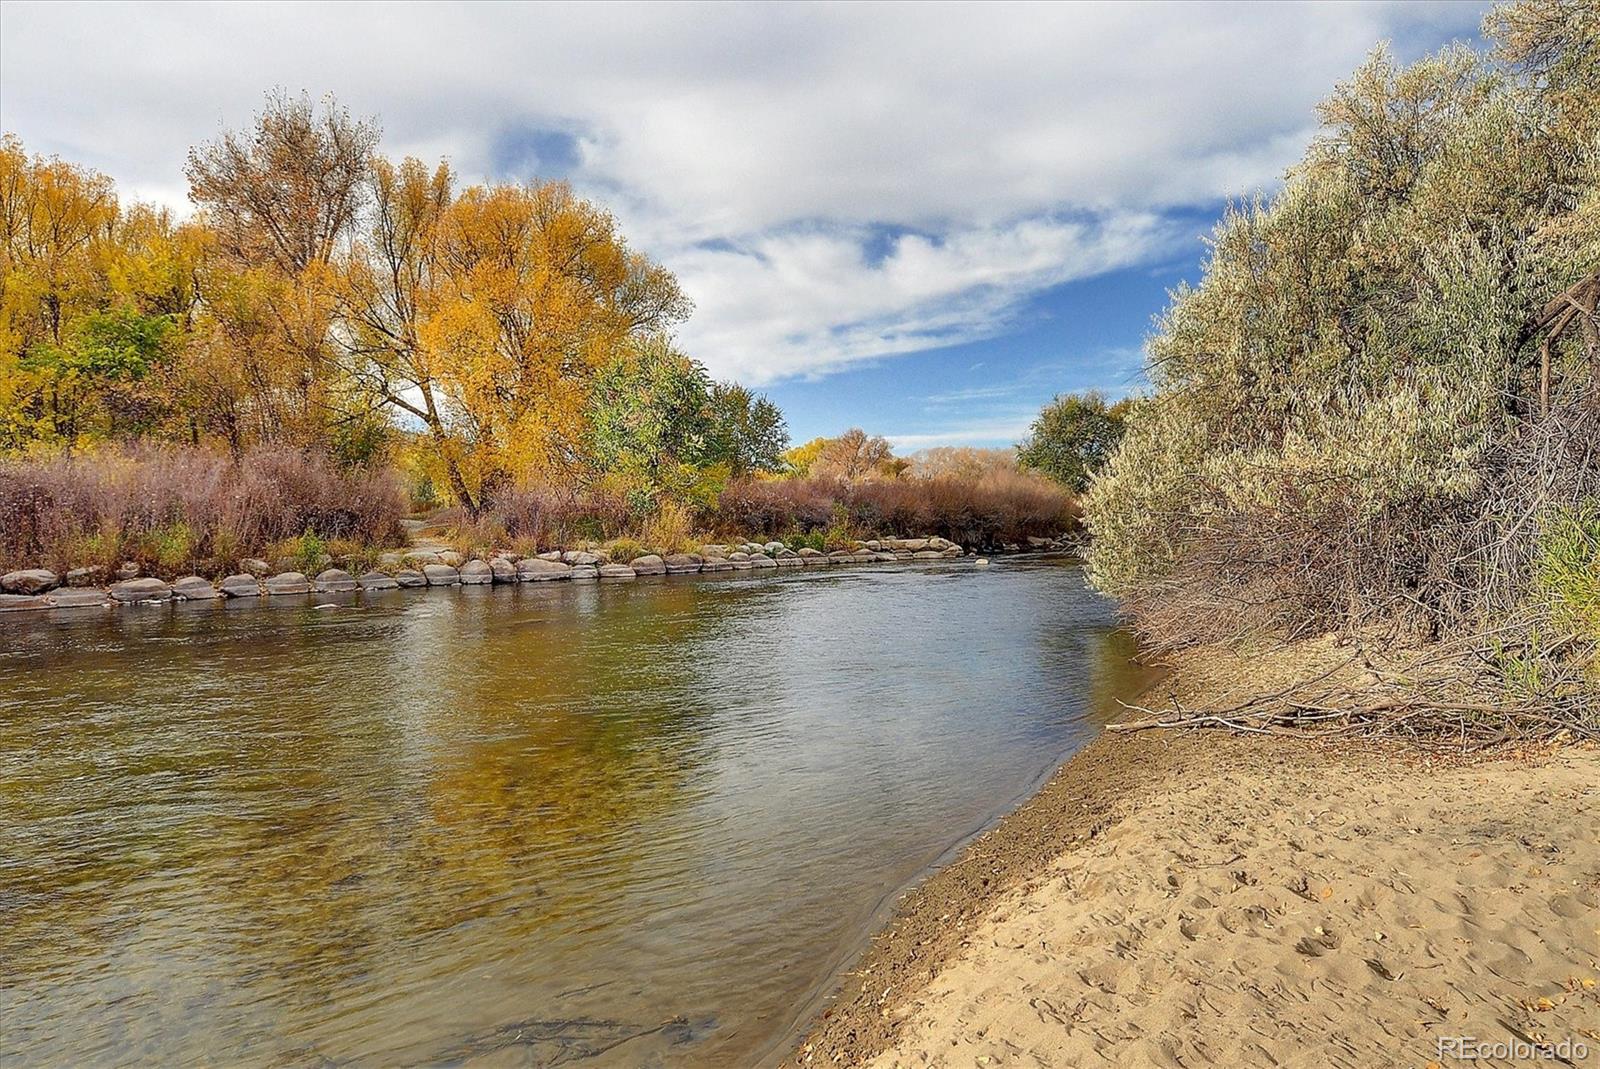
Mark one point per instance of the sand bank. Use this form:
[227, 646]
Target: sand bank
[1199, 898]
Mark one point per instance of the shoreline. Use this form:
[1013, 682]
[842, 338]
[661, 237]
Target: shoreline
[928, 988]
[41, 590]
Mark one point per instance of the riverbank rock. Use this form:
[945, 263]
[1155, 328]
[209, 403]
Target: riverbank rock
[761, 560]
[616, 571]
[440, 575]
[809, 556]
[739, 559]
[89, 575]
[241, 586]
[649, 564]
[585, 571]
[194, 588]
[79, 599]
[681, 563]
[256, 567]
[791, 561]
[377, 581]
[23, 602]
[550, 555]
[409, 578]
[336, 581]
[450, 557]
[285, 583]
[29, 581]
[540, 570]
[476, 573]
[503, 571]
[391, 560]
[580, 556]
[841, 556]
[716, 564]
[128, 570]
[774, 548]
[133, 590]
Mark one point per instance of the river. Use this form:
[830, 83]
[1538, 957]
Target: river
[629, 824]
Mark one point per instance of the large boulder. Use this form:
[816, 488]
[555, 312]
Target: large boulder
[740, 559]
[476, 573]
[503, 571]
[774, 548]
[132, 590]
[649, 564]
[29, 581]
[940, 544]
[580, 556]
[785, 553]
[377, 581]
[81, 598]
[549, 554]
[408, 578]
[809, 556]
[716, 564]
[241, 586]
[287, 583]
[537, 569]
[440, 575]
[89, 575]
[915, 545]
[714, 551]
[255, 567]
[682, 563]
[336, 581]
[951, 550]
[194, 588]
[761, 560]
[791, 561]
[616, 571]
[450, 557]
[585, 571]
[841, 556]
[23, 602]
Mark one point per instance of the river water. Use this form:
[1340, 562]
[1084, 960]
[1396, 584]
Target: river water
[631, 824]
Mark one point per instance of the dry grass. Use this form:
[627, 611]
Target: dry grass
[179, 510]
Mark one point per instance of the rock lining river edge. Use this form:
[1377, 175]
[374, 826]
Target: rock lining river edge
[39, 589]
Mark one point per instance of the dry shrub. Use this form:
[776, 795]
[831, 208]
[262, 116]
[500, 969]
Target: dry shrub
[992, 509]
[174, 510]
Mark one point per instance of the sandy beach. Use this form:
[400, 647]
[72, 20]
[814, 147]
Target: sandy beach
[1192, 898]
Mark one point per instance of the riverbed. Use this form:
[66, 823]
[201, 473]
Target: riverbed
[641, 823]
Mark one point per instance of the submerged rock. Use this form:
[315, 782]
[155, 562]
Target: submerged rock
[29, 581]
[131, 590]
[194, 588]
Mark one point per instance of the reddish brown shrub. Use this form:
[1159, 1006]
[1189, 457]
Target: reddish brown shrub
[172, 509]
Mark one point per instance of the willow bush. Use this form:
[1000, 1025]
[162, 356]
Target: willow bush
[1377, 407]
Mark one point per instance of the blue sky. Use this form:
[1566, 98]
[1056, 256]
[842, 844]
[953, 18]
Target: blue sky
[921, 219]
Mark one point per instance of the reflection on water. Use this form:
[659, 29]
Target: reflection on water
[635, 823]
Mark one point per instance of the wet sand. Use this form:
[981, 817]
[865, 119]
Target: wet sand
[1191, 898]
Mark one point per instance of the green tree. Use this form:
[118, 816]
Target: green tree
[1072, 437]
[746, 430]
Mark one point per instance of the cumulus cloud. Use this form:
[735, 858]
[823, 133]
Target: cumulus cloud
[763, 151]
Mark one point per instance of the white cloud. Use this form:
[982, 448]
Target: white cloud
[760, 149]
